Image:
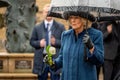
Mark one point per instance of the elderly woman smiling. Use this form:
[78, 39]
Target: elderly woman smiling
[81, 39]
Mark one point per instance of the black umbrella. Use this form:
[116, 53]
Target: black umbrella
[108, 17]
[109, 6]
[91, 6]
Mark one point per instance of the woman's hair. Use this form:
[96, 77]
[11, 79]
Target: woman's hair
[86, 23]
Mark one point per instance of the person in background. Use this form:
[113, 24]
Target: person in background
[48, 32]
[111, 43]
[81, 49]
[116, 69]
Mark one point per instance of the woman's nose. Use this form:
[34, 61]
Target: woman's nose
[72, 19]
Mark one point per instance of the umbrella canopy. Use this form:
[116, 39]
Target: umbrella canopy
[108, 6]
[91, 6]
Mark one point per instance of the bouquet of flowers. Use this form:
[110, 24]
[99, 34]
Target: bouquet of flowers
[50, 52]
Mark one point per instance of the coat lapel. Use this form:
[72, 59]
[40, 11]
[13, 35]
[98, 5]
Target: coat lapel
[43, 30]
[53, 28]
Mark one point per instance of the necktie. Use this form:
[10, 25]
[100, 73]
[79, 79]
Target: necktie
[47, 35]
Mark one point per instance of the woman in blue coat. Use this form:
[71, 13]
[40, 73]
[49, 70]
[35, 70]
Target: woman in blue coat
[75, 43]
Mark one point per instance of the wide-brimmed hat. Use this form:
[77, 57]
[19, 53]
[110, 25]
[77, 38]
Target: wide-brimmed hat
[85, 15]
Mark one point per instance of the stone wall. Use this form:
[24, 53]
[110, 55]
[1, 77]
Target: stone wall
[40, 4]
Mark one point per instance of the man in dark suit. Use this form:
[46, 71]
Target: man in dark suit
[111, 41]
[48, 32]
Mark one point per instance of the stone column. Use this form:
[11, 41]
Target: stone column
[20, 20]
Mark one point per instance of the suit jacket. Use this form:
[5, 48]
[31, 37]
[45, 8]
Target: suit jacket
[38, 33]
[111, 42]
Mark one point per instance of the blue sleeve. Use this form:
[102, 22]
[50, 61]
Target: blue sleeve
[59, 59]
[98, 54]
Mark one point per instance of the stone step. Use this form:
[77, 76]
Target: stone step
[18, 76]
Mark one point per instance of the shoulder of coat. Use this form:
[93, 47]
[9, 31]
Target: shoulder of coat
[93, 31]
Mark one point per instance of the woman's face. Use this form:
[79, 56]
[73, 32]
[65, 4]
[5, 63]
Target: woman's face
[76, 22]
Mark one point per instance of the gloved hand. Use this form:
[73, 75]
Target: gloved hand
[48, 60]
[87, 41]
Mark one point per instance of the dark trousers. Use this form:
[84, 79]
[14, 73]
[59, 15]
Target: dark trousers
[116, 68]
[44, 76]
[108, 69]
[111, 68]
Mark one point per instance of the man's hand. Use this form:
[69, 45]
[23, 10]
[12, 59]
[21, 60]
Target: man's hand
[53, 40]
[87, 41]
[42, 43]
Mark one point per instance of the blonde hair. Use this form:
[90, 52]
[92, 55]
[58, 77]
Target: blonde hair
[86, 23]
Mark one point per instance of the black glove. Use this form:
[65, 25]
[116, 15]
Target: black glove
[87, 41]
[48, 60]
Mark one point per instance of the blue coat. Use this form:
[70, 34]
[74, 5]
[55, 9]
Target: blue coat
[71, 56]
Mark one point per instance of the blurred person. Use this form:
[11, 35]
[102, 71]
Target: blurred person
[81, 39]
[48, 32]
[111, 43]
[116, 69]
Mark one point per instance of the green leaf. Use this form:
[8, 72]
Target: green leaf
[47, 50]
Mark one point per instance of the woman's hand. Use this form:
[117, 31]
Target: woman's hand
[87, 41]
